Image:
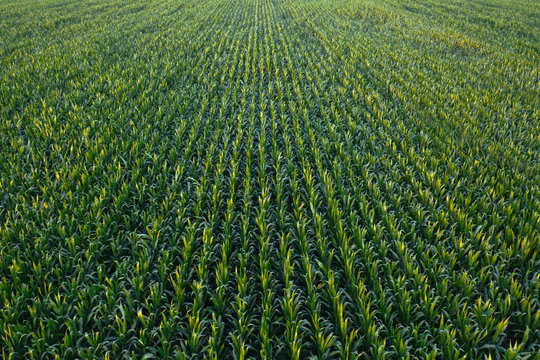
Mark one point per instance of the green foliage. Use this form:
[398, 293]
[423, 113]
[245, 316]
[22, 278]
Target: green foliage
[273, 179]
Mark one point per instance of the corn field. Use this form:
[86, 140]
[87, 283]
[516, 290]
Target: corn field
[269, 179]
